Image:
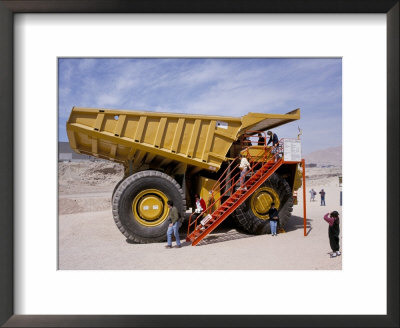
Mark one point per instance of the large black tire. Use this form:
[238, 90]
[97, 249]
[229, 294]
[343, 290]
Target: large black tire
[116, 187]
[249, 222]
[133, 227]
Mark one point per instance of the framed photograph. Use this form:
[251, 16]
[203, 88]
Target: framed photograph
[33, 289]
[198, 91]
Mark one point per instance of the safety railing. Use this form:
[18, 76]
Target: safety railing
[255, 163]
[214, 201]
[247, 141]
[253, 138]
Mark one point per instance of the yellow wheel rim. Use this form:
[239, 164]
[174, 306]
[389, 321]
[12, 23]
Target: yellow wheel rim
[149, 207]
[261, 201]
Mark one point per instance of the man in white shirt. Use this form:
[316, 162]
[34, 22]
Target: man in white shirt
[244, 167]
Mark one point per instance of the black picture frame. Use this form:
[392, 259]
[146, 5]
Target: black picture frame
[8, 200]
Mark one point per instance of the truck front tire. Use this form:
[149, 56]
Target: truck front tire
[139, 205]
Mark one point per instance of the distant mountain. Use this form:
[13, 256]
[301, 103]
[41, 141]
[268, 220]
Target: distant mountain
[66, 153]
[328, 156]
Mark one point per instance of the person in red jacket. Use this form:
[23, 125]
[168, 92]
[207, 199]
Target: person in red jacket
[200, 206]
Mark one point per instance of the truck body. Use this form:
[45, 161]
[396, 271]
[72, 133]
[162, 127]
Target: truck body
[174, 156]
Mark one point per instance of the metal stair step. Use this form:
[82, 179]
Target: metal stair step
[233, 200]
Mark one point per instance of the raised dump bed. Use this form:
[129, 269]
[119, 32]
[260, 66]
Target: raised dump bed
[157, 139]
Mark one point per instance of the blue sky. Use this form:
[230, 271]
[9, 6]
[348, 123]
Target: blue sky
[231, 87]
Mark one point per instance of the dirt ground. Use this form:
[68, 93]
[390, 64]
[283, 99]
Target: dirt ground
[89, 239]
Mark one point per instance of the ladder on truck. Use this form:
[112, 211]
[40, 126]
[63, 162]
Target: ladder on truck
[262, 168]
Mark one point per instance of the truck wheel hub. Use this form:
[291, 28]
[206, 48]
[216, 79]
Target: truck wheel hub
[150, 208]
[261, 202]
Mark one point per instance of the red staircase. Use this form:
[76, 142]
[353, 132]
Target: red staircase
[261, 169]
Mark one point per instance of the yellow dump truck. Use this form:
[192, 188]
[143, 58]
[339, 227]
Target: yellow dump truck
[173, 156]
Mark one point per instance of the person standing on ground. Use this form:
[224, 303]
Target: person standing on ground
[273, 219]
[322, 193]
[312, 193]
[200, 206]
[244, 166]
[333, 232]
[174, 225]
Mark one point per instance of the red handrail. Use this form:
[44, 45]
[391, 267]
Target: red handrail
[222, 175]
[247, 134]
[254, 134]
[264, 159]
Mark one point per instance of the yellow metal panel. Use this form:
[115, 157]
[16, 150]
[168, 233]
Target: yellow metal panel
[160, 132]
[140, 128]
[71, 138]
[109, 123]
[138, 158]
[165, 161]
[122, 153]
[113, 150]
[83, 118]
[170, 133]
[120, 125]
[218, 156]
[193, 138]
[99, 122]
[177, 135]
[256, 152]
[149, 158]
[225, 134]
[209, 139]
[186, 135]
[131, 124]
[206, 185]
[131, 152]
[262, 122]
[149, 132]
[94, 146]
[201, 140]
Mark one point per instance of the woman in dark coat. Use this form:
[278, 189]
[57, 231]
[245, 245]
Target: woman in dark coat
[333, 232]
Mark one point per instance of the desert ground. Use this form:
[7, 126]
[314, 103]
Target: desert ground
[89, 240]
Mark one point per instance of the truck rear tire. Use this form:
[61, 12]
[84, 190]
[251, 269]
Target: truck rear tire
[252, 215]
[139, 205]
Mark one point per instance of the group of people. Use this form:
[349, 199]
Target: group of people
[175, 222]
[200, 206]
[175, 219]
[244, 165]
[273, 140]
[313, 193]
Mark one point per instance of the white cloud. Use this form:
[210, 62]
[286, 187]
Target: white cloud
[108, 100]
